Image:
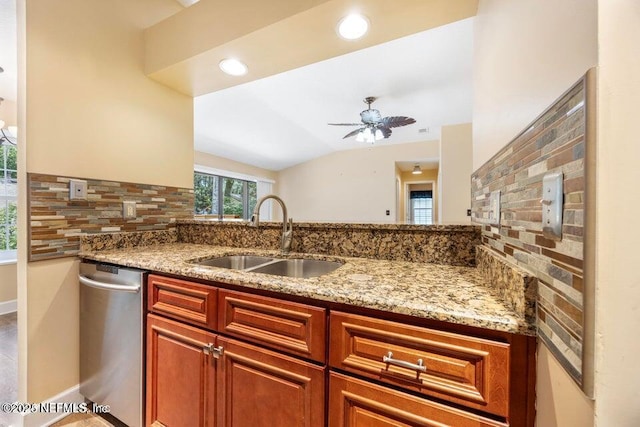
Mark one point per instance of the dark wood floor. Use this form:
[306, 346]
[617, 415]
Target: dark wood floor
[8, 364]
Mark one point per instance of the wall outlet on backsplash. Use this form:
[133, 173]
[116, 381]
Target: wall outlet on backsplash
[552, 203]
[77, 189]
[129, 209]
[494, 208]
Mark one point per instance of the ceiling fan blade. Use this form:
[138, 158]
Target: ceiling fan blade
[352, 133]
[345, 124]
[397, 121]
[386, 132]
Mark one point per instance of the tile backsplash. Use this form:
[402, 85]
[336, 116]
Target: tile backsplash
[56, 223]
[556, 141]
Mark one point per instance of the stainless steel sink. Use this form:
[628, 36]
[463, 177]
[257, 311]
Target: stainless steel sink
[302, 268]
[235, 262]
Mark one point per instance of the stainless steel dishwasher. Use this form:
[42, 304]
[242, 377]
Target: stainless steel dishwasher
[111, 339]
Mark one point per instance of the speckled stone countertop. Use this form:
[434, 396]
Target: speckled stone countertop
[439, 292]
[339, 225]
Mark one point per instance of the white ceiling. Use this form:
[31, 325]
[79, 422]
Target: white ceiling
[280, 121]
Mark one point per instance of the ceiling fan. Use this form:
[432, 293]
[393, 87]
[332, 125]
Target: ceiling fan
[374, 126]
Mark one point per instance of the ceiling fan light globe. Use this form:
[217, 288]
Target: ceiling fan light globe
[360, 136]
[378, 134]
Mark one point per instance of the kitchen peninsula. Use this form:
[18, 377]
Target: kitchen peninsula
[438, 340]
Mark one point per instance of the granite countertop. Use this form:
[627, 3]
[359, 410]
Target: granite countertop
[453, 227]
[440, 292]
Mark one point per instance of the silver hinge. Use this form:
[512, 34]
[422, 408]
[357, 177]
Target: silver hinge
[215, 351]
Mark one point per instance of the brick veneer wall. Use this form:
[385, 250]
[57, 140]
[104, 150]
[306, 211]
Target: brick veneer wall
[56, 223]
[556, 141]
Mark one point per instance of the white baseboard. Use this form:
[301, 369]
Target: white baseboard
[7, 307]
[39, 419]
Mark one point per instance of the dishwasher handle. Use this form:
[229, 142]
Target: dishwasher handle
[108, 286]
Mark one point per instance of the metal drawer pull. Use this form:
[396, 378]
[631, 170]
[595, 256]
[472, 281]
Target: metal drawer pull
[215, 351]
[417, 367]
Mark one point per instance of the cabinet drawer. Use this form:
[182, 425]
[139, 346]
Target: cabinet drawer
[294, 328]
[193, 303]
[470, 371]
[356, 403]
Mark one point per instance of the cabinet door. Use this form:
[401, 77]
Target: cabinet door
[261, 388]
[180, 375]
[357, 403]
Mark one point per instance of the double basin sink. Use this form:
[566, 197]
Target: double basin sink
[298, 267]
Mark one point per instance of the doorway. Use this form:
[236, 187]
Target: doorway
[420, 204]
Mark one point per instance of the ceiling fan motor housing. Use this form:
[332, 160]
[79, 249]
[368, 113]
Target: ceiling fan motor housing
[370, 116]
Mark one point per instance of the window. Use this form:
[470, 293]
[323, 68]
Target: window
[224, 197]
[8, 202]
[421, 207]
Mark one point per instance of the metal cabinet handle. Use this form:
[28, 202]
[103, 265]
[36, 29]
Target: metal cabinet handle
[420, 367]
[215, 351]
[108, 286]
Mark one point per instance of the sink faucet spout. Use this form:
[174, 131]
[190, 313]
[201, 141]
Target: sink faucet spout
[287, 223]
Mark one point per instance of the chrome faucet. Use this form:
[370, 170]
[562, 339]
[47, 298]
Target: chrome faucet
[287, 224]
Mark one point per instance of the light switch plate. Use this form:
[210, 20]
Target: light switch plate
[494, 207]
[129, 209]
[77, 189]
[552, 203]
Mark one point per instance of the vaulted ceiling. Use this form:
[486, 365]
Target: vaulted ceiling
[416, 58]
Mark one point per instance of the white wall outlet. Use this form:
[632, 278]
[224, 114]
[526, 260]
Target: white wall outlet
[128, 209]
[494, 207]
[552, 204]
[77, 189]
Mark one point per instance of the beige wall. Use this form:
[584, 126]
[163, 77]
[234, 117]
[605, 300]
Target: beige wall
[8, 282]
[349, 186]
[617, 299]
[526, 54]
[408, 178]
[91, 111]
[560, 402]
[87, 111]
[8, 112]
[455, 174]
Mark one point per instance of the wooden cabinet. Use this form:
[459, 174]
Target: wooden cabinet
[198, 377]
[298, 329]
[357, 403]
[261, 388]
[217, 357]
[466, 370]
[181, 375]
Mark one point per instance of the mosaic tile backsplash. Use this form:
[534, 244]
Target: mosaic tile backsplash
[56, 223]
[554, 142]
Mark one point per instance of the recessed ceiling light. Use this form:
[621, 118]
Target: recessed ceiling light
[353, 26]
[233, 67]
